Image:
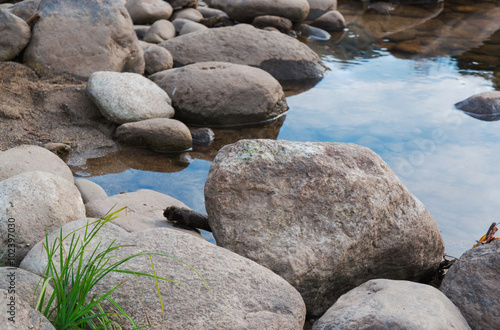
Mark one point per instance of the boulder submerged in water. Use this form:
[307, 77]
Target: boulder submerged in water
[324, 216]
[484, 106]
[221, 94]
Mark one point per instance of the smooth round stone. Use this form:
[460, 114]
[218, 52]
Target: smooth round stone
[160, 134]
[331, 21]
[188, 13]
[148, 11]
[160, 31]
[280, 23]
[157, 59]
[14, 37]
[219, 93]
[128, 97]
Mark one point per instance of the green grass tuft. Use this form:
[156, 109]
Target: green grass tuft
[70, 305]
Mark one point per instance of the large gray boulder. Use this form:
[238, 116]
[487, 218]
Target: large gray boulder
[148, 11]
[388, 304]
[324, 216]
[31, 203]
[36, 260]
[144, 209]
[247, 10]
[28, 158]
[218, 93]
[128, 97]
[15, 35]
[159, 134]
[472, 284]
[20, 315]
[81, 37]
[242, 295]
[484, 106]
[282, 56]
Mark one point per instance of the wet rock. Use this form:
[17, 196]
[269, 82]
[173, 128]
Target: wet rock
[28, 158]
[90, 191]
[312, 32]
[282, 24]
[331, 216]
[383, 7]
[64, 40]
[388, 304]
[202, 136]
[159, 134]
[283, 57]
[157, 59]
[160, 31]
[25, 9]
[26, 317]
[247, 10]
[472, 285]
[128, 97]
[36, 261]
[58, 148]
[144, 209]
[140, 30]
[319, 7]
[241, 95]
[14, 37]
[188, 13]
[484, 106]
[243, 295]
[178, 4]
[332, 21]
[35, 202]
[148, 11]
[211, 12]
[28, 286]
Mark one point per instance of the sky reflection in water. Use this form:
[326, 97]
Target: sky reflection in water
[401, 109]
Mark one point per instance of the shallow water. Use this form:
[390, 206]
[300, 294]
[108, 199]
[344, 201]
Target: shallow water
[393, 82]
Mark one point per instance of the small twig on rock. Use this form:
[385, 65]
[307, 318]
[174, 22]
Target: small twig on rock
[187, 217]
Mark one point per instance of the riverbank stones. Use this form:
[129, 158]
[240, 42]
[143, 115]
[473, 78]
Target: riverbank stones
[330, 216]
[81, 37]
[14, 37]
[128, 97]
[283, 57]
[388, 304]
[247, 10]
[222, 94]
[158, 134]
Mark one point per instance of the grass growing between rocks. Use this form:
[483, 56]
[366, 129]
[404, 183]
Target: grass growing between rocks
[79, 270]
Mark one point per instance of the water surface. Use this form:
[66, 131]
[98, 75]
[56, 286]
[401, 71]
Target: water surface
[395, 75]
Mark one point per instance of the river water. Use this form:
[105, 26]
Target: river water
[394, 78]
